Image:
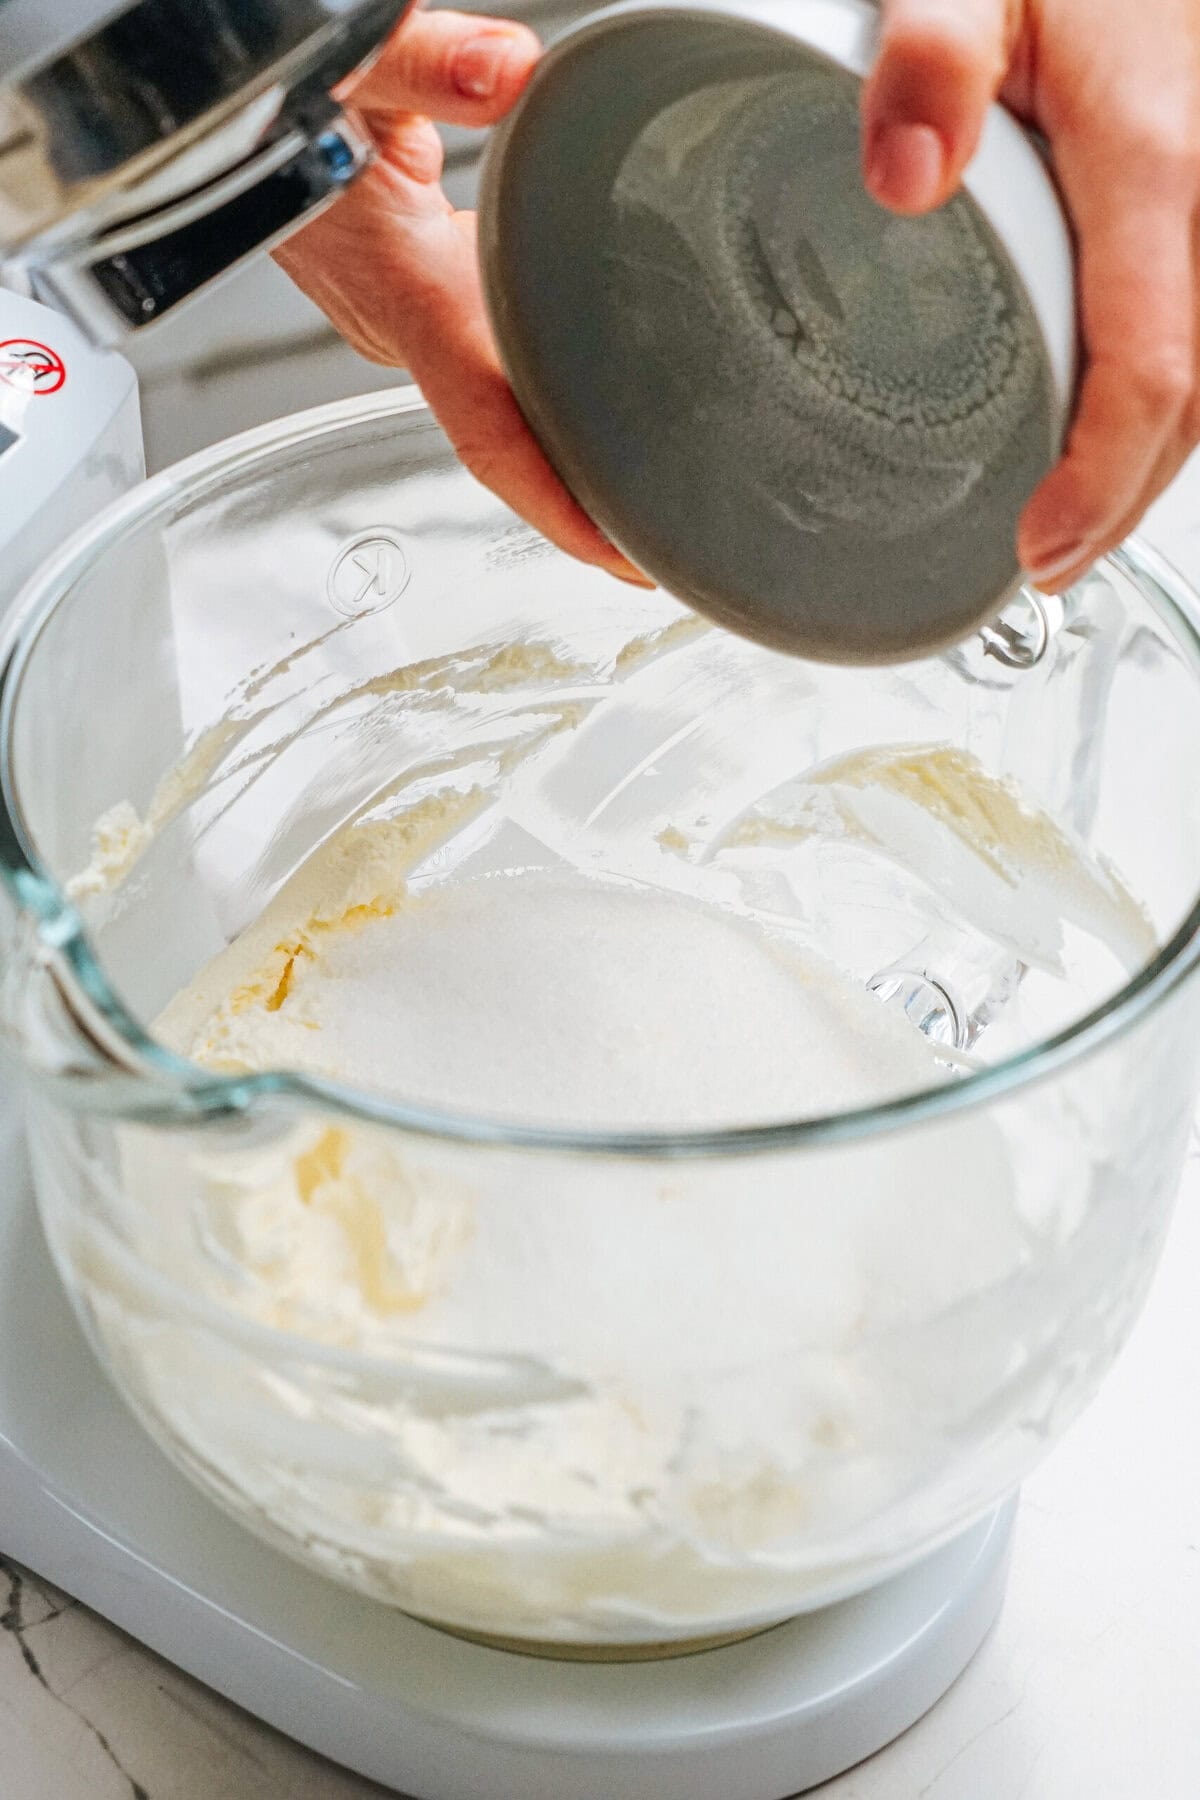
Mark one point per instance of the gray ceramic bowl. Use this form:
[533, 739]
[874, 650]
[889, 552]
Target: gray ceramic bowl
[813, 421]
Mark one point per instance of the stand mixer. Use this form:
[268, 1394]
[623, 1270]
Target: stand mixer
[107, 223]
[146, 150]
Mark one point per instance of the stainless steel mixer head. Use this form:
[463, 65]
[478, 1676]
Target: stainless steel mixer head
[811, 420]
[148, 146]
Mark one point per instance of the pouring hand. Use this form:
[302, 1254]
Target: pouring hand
[1115, 88]
[394, 266]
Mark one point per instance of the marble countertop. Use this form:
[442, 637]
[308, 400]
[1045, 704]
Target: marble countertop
[1089, 1685]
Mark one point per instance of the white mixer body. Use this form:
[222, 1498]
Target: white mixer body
[70, 434]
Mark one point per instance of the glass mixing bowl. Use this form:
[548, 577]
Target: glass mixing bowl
[713, 1375]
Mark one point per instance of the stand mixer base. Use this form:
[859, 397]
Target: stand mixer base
[88, 1503]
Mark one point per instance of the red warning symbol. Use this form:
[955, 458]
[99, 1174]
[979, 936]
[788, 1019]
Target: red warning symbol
[30, 367]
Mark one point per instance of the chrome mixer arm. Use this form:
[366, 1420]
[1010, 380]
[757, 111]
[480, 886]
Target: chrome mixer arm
[149, 146]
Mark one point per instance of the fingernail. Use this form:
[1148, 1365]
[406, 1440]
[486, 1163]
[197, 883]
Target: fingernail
[624, 570]
[479, 65]
[906, 167]
[1050, 564]
[618, 564]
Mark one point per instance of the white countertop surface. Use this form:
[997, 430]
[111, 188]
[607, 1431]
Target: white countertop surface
[1089, 1685]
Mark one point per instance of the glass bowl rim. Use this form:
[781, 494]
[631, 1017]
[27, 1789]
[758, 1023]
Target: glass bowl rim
[135, 1077]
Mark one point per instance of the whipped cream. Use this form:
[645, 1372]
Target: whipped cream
[587, 1398]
